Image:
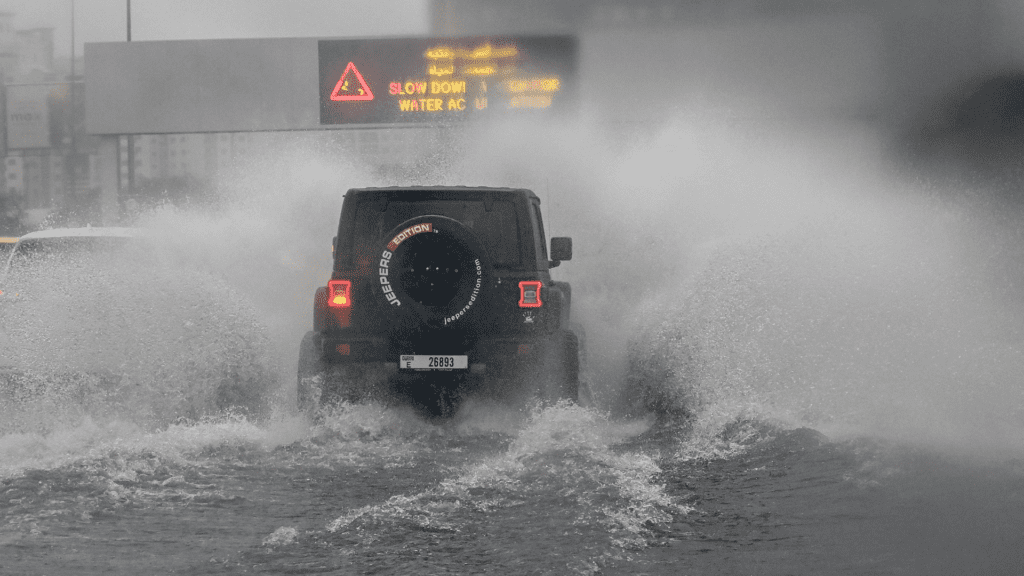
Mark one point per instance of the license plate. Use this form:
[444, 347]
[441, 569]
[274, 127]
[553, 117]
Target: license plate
[431, 362]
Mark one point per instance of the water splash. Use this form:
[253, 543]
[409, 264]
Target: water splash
[131, 337]
[281, 537]
[784, 274]
[888, 311]
[560, 474]
[91, 443]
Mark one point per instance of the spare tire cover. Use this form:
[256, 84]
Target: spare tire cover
[435, 268]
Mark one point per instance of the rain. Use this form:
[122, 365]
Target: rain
[797, 266]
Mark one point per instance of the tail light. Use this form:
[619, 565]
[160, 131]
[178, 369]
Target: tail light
[529, 294]
[339, 293]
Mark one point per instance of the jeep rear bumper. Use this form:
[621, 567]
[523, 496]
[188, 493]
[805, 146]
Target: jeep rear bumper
[493, 353]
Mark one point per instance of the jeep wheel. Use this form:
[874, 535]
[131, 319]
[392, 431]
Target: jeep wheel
[559, 373]
[435, 269]
[311, 376]
[567, 372]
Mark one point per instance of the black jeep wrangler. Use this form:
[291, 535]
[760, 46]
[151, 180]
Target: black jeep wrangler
[437, 292]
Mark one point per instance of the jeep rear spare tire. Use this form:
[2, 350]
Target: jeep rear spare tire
[434, 268]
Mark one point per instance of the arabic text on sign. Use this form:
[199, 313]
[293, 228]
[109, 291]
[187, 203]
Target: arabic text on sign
[479, 70]
[483, 52]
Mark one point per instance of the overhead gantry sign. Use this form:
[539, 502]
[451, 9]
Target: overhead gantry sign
[192, 86]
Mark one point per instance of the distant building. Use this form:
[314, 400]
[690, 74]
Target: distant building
[197, 156]
[35, 55]
[14, 170]
[36, 123]
[8, 47]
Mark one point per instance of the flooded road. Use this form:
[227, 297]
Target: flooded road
[563, 490]
[370, 489]
[793, 370]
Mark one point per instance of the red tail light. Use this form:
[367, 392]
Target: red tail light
[529, 294]
[339, 293]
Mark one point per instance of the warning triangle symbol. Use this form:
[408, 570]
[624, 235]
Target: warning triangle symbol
[348, 90]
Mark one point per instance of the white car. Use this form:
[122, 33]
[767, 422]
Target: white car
[110, 321]
[36, 248]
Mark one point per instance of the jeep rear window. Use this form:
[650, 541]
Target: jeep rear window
[497, 229]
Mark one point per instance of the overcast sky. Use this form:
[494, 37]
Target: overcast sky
[104, 20]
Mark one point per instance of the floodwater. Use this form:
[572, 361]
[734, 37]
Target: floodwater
[562, 490]
[796, 364]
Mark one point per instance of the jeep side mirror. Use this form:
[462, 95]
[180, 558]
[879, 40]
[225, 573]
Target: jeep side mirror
[561, 249]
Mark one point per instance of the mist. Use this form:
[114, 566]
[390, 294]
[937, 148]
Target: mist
[721, 271]
[756, 244]
[797, 279]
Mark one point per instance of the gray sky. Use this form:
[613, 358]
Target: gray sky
[104, 20]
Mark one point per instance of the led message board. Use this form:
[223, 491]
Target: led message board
[404, 80]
